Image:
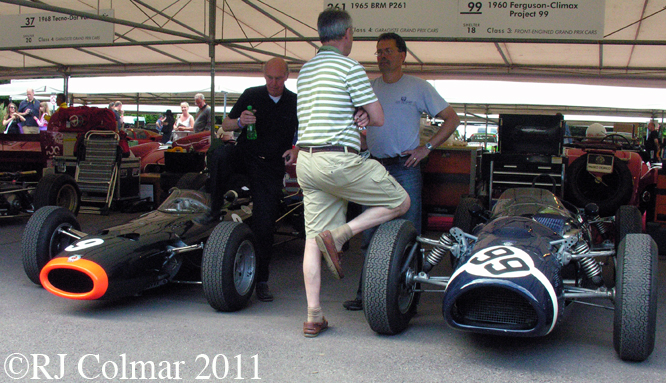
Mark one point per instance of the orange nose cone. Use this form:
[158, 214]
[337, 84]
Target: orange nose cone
[74, 278]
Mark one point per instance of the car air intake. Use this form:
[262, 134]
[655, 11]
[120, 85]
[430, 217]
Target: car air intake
[71, 281]
[494, 307]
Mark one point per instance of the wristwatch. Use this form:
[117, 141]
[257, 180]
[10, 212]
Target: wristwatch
[428, 146]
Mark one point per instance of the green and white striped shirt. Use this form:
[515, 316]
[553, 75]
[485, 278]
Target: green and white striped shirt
[330, 87]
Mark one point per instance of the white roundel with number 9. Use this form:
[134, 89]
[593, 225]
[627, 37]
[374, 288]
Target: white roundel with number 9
[85, 244]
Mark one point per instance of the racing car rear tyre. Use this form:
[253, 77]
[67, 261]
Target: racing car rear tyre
[582, 188]
[228, 267]
[41, 239]
[635, 297]
[192, 181]
[58, 189]
[628, 220]
[388, 302]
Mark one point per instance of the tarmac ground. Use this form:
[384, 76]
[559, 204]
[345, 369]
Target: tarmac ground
[172, 334]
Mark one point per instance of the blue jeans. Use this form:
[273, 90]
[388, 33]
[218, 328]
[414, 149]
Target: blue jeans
[412, 181]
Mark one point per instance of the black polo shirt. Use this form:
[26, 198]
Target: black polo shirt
[276, 122]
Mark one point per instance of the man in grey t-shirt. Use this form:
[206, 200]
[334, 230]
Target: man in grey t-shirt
[396, 144]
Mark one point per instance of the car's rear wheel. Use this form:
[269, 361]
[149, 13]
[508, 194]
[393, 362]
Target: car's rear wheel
[609, 192]
[57, 190]
[635, 297]
[463, 218]
[43, 238]
[228, 267]
[389, 301]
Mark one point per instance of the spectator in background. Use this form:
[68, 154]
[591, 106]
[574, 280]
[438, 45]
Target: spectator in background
[167, 128]
[652, 142]
[28, 109]
[61, 103]
[160, 123]
[595, 131]
[204, 119]
[184, 122]
[118, 111]
[44, 116]
[12, 120]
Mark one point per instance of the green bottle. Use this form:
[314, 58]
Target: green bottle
[251, 129]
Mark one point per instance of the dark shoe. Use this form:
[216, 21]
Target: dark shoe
[312, 329]
[330, 253]
[353, 305]
[206, 219]
[263, 292]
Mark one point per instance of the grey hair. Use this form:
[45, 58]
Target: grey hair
[332, 24]
[199, 96]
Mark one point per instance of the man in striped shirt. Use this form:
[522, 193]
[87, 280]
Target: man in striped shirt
[335, 99]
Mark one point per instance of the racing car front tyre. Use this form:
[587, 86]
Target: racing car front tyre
[628, 220]
[192, 181]
[42, 238]
[635, 297]
[57, 189]
[228, 267]
[388, 301]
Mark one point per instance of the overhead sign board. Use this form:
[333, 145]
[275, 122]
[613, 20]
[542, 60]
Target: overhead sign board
[533, 19]
[51, 28]
[530, 19]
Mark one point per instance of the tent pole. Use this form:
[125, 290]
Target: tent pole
[65, 86]
[211, 42]
[136, 122]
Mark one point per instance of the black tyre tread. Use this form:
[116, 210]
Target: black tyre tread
[608, 206]
[192, 181]
[218, 259]
[47, 190]
[462, 218]
[635, 298]
[380, 259]
[35, 244]
[628, 220]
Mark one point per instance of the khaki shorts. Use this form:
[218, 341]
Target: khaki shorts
[330, 179]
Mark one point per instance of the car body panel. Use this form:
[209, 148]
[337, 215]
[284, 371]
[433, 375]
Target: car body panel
[136, 255]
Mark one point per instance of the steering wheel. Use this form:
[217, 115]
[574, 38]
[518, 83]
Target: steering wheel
[613, 135]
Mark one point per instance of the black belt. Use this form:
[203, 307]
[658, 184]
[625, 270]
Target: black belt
[318, 149]
[390, 160]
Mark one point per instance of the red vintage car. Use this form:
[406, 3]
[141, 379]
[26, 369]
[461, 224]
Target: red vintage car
[152, 153]
[142, 135]
[610, 172]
